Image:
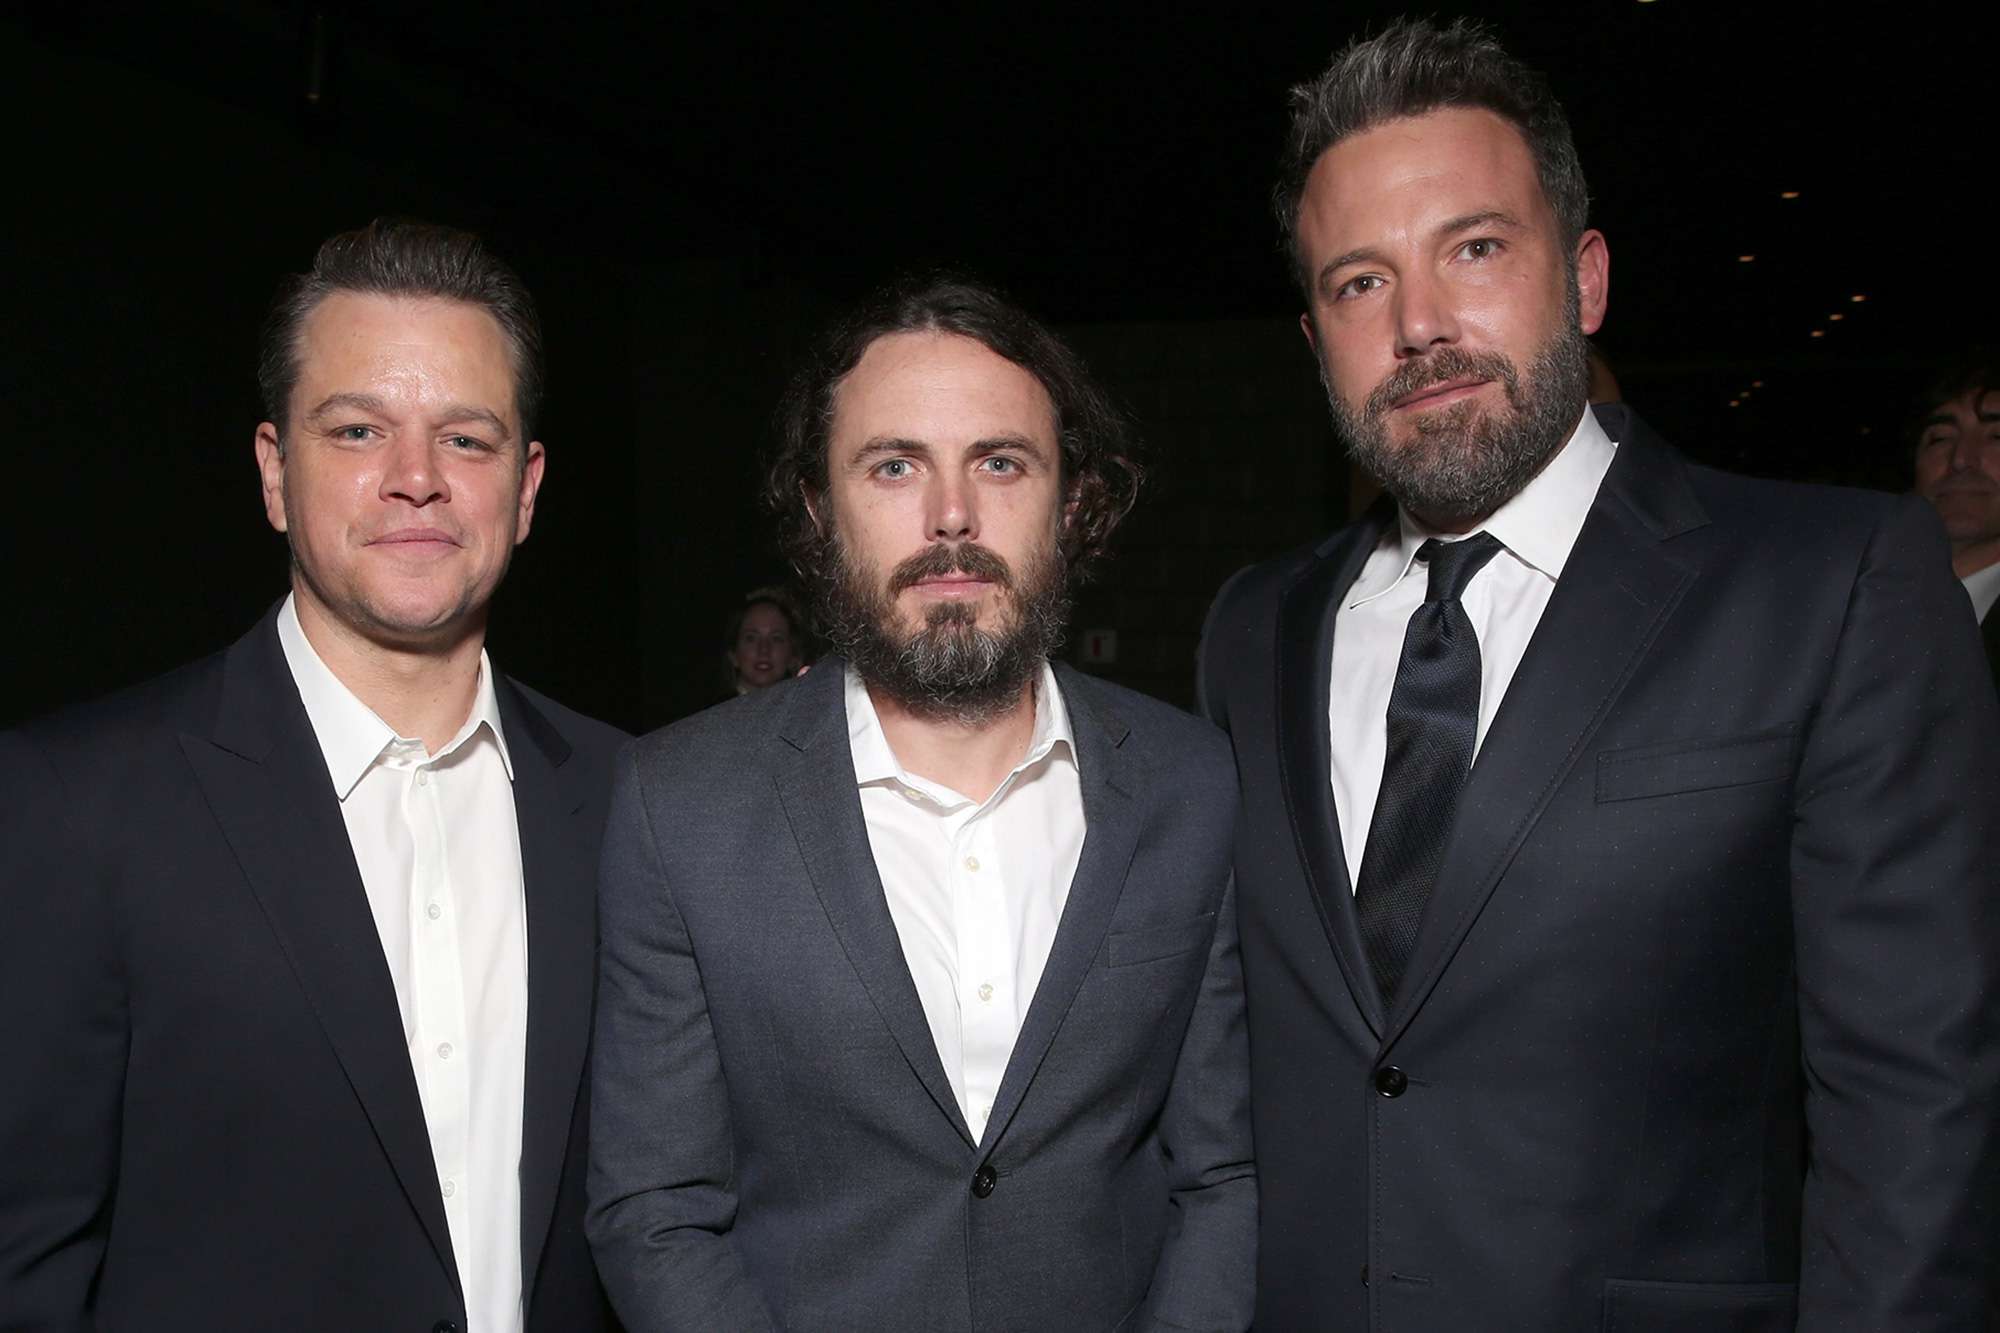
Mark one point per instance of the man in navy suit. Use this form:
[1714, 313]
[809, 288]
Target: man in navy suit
[1615, 864]
[296, 943]
[920, 1007]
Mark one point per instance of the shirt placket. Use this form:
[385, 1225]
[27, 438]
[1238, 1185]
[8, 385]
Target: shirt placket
[985, 976]
[439, 1050]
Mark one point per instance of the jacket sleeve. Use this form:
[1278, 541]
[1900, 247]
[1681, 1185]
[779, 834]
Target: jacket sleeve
[1206, 1275]
[63, 1039]
[1897, 928]
[662, 1187]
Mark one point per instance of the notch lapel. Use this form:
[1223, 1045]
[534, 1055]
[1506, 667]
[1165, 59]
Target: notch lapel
[1618, 588]
[558, 880]
[266, 782]
[1110, 838]
[1304, 657]
[816, 785]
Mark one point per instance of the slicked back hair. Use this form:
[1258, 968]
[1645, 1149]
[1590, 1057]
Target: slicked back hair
[400, 257]
[1100, 466]
[1412, 68]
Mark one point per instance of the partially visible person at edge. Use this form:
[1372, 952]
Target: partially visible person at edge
[1616, 856]
[297, 942]
[1957, 464]
[920, 1005]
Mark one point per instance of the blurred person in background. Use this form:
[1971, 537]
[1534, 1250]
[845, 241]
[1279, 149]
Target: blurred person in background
[765, 642]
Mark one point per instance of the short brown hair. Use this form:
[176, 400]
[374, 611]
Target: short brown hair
[401, 257]
[1411, 68]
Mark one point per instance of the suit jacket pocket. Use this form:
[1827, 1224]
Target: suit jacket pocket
[1685, 766]
[1122, 948]
[1700, 1307]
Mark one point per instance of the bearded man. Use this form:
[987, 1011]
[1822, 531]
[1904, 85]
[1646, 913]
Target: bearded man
[920, 1005]
[1615, 860]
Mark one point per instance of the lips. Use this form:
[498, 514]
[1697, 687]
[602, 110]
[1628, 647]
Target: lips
[1423, 397]
[414, 537]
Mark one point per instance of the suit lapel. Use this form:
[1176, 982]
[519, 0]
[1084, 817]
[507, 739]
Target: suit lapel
[1989, 630]
[1111, 835]
[558, 876]
[1304, 656]
[266, 782]
[816, 784]
[1617, 589]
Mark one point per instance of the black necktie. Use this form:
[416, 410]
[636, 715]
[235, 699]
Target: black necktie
[1433, 718]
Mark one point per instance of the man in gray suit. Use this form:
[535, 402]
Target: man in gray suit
[920, 1004]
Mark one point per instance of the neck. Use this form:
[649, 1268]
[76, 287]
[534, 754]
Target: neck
[972, 758]
[1968, 558]
[423, 691]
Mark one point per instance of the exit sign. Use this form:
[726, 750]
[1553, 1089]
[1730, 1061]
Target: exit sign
[1100, 647]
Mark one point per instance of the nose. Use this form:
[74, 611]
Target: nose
[410, 472]
[1423, 314]
[1965, 450]
[952, 511]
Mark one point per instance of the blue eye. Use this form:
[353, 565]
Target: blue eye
[354, 433]
[999, 463]
[895, 468]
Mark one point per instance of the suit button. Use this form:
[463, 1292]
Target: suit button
[983, 1180]
[1390, 1081]
[1364, 1275]
[444, 1326]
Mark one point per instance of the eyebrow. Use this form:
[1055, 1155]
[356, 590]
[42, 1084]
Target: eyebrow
[1489, 217]
[892, 444]
[368, 402]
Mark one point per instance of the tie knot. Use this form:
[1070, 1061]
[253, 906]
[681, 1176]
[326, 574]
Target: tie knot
[1452, 564]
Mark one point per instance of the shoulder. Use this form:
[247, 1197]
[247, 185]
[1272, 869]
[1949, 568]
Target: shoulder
[1166, 737]
[722, 739]
[596, 741]
[113, 728]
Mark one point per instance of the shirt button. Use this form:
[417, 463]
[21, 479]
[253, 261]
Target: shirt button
[911, 793]
[986, 1112]
[986, 990]
[444, 1050]
[423, 777]
[972, 863]
[450, 1187]
[433, 911]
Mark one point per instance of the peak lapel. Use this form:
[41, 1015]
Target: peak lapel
[1111, 835]
[558, 878]
[1304, 656]
[267, 785]
[1616, 591]
[817, 787]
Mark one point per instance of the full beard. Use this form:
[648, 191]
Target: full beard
[949, 669]
[1464, 462]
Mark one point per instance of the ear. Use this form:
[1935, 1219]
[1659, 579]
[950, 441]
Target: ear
[531, 485]
[271, 474]
[1312, 334]
[812, 503]
[1593, 280]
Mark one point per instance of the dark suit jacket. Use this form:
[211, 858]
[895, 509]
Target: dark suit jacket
[1699, 1031]
[775, 1142]
[1989, 632]
[211, 1120]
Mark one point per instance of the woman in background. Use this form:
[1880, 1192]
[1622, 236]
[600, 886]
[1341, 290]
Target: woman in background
[766, 641]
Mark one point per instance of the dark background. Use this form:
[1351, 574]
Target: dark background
[691, 189]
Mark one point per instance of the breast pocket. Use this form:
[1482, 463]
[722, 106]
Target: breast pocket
[1124, 948]
[1699, 765]
[1700, 1307]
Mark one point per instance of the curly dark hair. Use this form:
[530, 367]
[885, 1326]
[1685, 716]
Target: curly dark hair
[1411, 68]
[1100, 465]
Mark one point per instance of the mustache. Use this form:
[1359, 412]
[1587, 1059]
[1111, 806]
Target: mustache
[959, 558]
[1446, 363]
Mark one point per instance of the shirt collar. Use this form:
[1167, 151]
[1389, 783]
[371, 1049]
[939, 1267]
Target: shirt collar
[1983, 587]
[351, 735]
[1538, 526]
[875, 762]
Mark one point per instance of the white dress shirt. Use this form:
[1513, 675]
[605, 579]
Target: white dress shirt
[435, 839]
[1504, 602]
[976, 889]
[1983, 587]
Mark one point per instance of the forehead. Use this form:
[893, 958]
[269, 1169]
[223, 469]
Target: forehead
[938, 388]
[764, 616]
[1446, 163]
[411, 349]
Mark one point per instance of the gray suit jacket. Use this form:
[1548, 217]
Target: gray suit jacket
[776, 1144]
